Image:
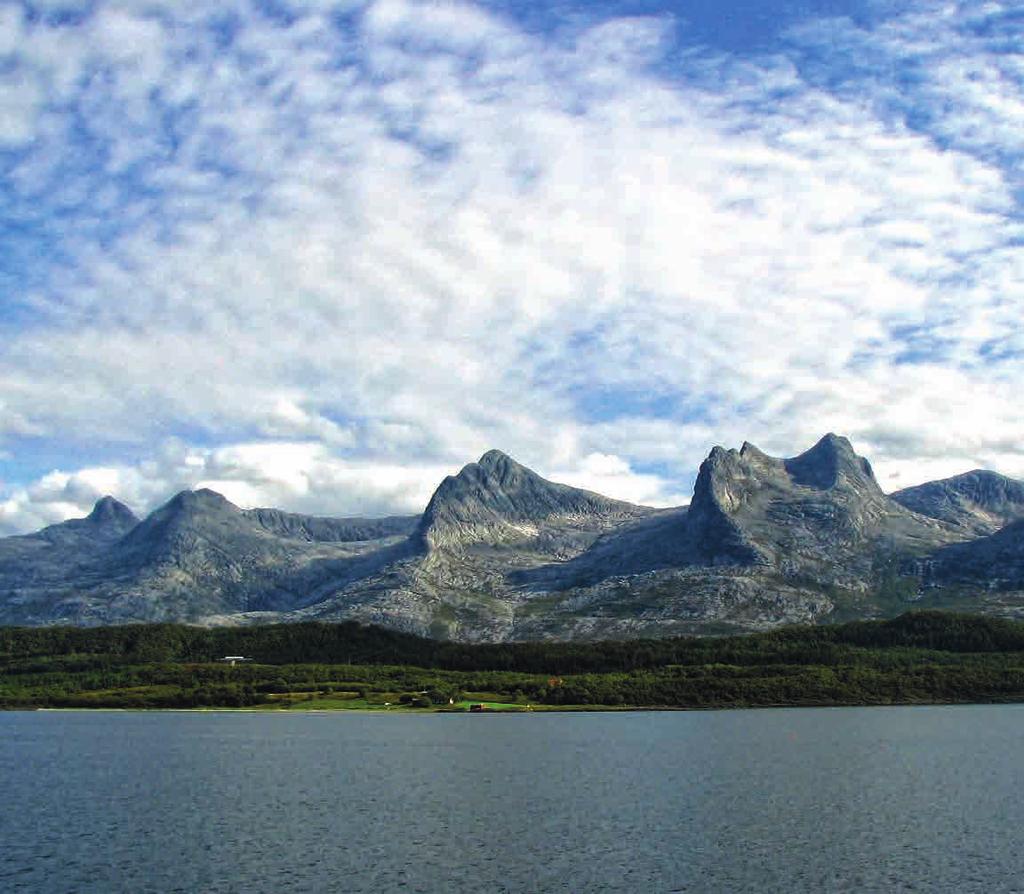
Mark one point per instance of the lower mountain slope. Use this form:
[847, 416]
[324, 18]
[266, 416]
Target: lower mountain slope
[993, 563]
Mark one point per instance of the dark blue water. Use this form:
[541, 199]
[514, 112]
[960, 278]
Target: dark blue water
[873, 799]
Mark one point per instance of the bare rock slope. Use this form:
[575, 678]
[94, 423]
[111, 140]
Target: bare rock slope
[502, 553]
[764, 541]
[977, 502]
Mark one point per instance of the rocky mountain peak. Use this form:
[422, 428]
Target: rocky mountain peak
[496, 459]
[499, 497]
[188, 515]
[831, 463]
[109, 511]
[725, 481]
[753, 453]
[199, 500]
[501, 468]
[719, 481]
[748, 506]
[108, 521]
[728, 479]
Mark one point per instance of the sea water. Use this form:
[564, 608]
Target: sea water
[847, 799]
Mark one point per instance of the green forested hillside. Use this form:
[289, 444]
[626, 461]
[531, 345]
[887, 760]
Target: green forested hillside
[918, 657]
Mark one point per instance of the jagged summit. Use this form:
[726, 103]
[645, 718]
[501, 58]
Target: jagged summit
[501, 498]
[726, 481]
[731, 476]
[189, 508]
[754, 509]
[752, 452]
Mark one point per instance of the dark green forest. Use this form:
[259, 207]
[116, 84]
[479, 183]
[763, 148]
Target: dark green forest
[919, 657]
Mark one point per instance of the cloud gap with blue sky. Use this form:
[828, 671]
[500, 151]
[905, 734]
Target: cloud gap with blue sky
[319, 254]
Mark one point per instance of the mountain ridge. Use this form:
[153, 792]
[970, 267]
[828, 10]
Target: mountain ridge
[501, 553]
[978, 501]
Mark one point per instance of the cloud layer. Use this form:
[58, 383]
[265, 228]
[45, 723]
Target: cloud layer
[322, 254]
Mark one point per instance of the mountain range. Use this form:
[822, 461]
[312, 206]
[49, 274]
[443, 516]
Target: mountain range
[501, 553]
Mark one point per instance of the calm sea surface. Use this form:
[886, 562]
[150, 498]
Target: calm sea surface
[871, 799]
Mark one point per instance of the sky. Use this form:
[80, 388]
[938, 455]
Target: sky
[317, 254]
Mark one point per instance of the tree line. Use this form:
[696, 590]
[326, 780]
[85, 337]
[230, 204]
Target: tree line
[918, 657]
[352, 643]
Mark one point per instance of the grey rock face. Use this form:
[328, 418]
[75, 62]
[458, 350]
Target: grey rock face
[994, 562]
[110, 514]
[196, 557]
[765, 541]
[54, 551]
[831, 465]
[502, 553]
[727, 481]
[497, 499]
[977, 502]
[820, 514]
[108, 521]
[180, 529]
[317, 529]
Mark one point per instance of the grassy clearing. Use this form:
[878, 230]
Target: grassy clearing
[494, 706]
[384, 702]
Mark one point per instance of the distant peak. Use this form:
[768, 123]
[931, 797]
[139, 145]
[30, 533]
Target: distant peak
[203, 498]
[109, 509]
[204, 493]
[728, 476]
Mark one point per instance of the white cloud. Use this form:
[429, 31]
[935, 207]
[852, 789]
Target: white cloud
[404, 241]
[611, 475]
[20, 99]
[302, 475]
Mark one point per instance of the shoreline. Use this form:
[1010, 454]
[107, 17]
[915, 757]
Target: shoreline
[552, 709]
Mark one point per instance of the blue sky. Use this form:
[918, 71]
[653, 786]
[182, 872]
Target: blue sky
[318, 254]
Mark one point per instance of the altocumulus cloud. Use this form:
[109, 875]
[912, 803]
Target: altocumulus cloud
[317, 255]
